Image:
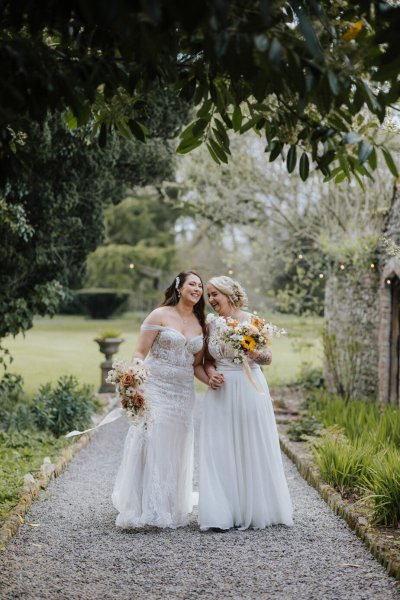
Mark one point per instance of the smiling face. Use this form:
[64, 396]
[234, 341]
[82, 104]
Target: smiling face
[192, 289]
[219, 301]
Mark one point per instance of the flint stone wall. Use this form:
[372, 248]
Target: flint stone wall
[361, 303]
[352, 312]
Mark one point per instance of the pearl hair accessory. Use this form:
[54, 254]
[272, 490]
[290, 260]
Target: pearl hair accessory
[177, 282]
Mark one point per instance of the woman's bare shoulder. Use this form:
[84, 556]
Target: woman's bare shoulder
[157, 316]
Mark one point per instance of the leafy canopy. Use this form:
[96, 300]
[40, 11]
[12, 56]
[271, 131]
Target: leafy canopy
[298, 72]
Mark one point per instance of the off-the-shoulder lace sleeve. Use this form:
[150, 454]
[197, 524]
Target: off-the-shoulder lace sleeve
[150, 327]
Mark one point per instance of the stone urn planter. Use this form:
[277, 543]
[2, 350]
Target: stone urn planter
[108, 346]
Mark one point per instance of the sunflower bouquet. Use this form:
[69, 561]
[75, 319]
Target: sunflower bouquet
[247, 336]
[128, 379]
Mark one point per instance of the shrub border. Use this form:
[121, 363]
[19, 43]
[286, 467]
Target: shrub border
[48, 471]
[372, 537]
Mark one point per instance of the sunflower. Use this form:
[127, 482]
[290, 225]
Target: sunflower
[248, 343]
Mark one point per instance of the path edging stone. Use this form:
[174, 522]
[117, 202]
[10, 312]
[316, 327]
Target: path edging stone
[372, 538]
[33, 485]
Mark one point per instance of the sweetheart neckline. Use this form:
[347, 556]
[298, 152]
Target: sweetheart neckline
[180, 333]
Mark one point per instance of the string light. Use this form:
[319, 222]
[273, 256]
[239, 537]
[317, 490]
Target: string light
[131, 266]
[342, 266]
[230, 272]
[388, 281]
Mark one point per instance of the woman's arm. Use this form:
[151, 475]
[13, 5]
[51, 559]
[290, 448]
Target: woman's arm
[147, 337]
[211, 380]
[145, 342]
[216, 378]
[261, 357]
[199, 368]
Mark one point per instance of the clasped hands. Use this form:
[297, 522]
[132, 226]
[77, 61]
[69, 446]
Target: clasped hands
[216, 380]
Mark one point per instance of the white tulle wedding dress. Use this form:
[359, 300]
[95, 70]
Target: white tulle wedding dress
[154, 481]
[241, 479]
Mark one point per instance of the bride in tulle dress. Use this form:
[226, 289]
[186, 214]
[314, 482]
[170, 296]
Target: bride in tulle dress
[241, 478]
[154, 481]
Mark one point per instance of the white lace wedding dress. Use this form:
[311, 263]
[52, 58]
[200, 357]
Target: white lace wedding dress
[241, 479]
[154, 481]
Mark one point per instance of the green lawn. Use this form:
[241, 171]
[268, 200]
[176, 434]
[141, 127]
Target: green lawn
[65, 345]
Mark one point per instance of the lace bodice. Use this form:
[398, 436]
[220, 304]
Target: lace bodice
[170, 386]
[172, 346]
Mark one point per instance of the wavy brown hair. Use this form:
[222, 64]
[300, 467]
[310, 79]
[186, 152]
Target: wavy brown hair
[171, 297]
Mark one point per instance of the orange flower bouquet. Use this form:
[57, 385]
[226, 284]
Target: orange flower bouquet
[246, 337]
[128, 379]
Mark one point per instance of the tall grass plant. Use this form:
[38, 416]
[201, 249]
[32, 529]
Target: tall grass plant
[360, 451]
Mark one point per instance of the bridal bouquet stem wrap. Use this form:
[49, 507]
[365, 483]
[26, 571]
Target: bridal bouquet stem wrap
[248, 336]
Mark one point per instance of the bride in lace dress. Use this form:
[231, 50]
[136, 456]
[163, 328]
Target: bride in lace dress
[154, 481]
[241, 483]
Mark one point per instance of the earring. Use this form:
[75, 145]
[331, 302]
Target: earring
[178, 293]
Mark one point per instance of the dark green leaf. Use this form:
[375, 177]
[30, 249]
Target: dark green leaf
[249, 124]
[213, 155]
[339, 178]
[188, 145]
[218, 151]
[204, 111]
[390, 162]
[199, 127]
[291, 158]
[275, 148]
[194, 129]
[359, 181]
[137, 130]
[71, 120]
[304, 166]
[373, 159]
[237, 118]
[123, 129]
[222, 132]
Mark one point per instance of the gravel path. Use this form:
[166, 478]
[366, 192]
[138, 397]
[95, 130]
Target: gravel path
[75, 551]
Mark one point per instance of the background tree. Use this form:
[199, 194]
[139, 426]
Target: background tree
[51, 219]
[299, 72]
[52, 208]
[294, 235]
[139, 249]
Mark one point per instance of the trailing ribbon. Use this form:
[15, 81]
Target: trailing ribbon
[250, 376]
[115, 414]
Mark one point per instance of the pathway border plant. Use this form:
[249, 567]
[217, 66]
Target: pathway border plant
[359, 453]
[30, 430]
